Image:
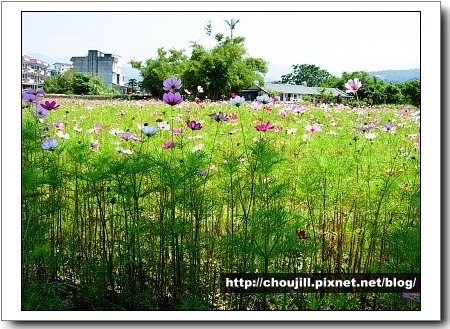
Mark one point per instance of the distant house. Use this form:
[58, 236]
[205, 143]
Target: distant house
[107, 67]
[60, 68]
[34, 72]
[290, 93]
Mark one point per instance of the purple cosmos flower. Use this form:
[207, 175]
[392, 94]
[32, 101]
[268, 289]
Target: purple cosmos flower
[388, 126]
[50, 105]
[172, 98]
[149, 130]
[265, 99]
[194, 125]
[39, 112]
[202, 172]
[127, 136]
[411, 295]
[49, 144]
[353, 85]
[30, 98]
[219, 117]
[363, 129]
[264, 126]
[171, 84]
[238, 100]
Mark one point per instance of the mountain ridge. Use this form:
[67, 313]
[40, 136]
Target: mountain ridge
[274, 74]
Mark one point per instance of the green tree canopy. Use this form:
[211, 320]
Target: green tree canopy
[224, 69]
[313, 75]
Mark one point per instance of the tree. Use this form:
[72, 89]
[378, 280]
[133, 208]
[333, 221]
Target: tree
[208, 30]
[132, 83]
[311, 74]
[393, 94]
[156, 70]
[411, 92]
[73, 82]
[232, 24]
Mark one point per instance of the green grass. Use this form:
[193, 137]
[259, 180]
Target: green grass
[103, 230]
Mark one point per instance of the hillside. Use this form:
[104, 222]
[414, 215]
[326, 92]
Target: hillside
[396, 76]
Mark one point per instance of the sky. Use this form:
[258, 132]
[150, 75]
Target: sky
[334, 41]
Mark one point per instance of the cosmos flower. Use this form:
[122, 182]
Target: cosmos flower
[202, 172]
[172, 98]
[255, 106]
[388, 126]
[94, 145]
[171, 84]
[49, 144]
[168, 144]
[39, 112]
[313, 128]
[353, 85]
[291, 131]
[198, 147]
[50, 105]
[238, 100]
[58, 124]
[411, 295]
[62, 135]
[370, 136]
[200, 89]
[149, 130]
[194, 125]
[163, 125]
[265, 99]
[177, 131]
[264, 126]
[219, 116]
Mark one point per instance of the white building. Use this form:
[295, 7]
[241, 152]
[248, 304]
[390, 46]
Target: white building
[60, 68]
[34, 72]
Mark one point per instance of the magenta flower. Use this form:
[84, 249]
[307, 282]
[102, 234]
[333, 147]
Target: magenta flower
[353, 85]
[194, 125]
[233, 116]
[50, 105]
[168, 144]
[264, 126]
[172, 98]
[172, 84]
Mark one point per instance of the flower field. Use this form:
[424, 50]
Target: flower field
[142, 205]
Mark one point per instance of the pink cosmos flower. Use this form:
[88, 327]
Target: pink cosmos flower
[264, 126]
[277, 129]
[313, 128]
[255, 106]
[58, 124]
[177, 131]
[168, 144]
[233, 116]
[353, 85]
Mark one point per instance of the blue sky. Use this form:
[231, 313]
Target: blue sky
[334, 41]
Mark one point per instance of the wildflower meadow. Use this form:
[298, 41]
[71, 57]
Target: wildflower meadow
[143, 204]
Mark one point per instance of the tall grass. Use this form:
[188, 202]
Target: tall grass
[153, 230]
